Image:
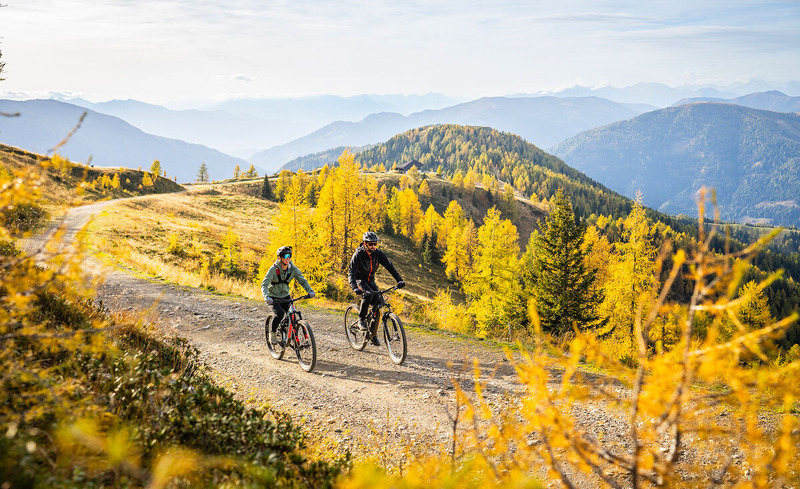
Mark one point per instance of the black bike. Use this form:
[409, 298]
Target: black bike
[293, 332]
[394, 334]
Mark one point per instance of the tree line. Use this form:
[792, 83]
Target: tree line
[587, 274]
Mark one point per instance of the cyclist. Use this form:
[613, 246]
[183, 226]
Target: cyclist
[276, 284]
[361, 274]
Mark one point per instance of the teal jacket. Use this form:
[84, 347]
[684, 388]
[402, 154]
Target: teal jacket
[276, 281]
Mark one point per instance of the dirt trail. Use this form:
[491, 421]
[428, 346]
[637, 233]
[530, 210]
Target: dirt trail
[349, 392]
[348, 389]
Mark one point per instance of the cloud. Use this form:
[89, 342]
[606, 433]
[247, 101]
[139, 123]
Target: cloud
[244, 78]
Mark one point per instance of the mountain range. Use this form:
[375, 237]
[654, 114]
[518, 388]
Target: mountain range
[661, 95]
[105, 140]
[750, 157]
[242, 127]
[542, 121]
[772, 100]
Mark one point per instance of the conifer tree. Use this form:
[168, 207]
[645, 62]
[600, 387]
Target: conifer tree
[491, 283]
[424, 193]
[202, 173]
[631, 272]
[563, 286]
[266, 188]
[284, 182]
[155, 169]
[251, 172]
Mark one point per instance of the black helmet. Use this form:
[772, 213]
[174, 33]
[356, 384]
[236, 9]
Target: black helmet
[283, 251]
[370, 237]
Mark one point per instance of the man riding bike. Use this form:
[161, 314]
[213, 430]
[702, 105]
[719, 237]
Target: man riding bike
[361, 274]
[276, 284]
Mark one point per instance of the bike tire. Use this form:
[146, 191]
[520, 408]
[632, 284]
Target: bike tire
[394, 336]
[356, 337]
[305, 347]
[273, 342]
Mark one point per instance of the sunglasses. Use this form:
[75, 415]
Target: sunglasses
[287, 255]
[370, 243]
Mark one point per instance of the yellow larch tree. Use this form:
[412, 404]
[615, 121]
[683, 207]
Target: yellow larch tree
[405, 212]
[492, 281]
[428, 226]
[343, 210]
[424, 193]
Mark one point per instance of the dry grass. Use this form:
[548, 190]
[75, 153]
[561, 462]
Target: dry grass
[137, 234]
[61, 181]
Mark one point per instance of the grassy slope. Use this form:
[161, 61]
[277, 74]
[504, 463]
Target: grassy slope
[139, 236]
[200, 218]
[61, 187]
[136, 233]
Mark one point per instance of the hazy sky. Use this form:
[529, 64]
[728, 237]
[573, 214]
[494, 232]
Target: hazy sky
[166, 50]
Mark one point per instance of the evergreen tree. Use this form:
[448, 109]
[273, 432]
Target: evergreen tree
[266, 189]
[202, 173]
[563, 286]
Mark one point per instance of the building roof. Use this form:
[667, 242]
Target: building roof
[407, 166]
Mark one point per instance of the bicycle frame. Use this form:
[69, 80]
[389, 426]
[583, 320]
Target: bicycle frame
[292, 316]
[375, 313]
[293, 332]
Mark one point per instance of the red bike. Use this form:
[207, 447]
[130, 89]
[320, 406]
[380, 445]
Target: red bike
[294, 332]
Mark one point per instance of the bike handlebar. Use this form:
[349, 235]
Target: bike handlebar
[376, 292]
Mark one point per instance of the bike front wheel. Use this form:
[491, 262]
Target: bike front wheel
[274, 344]
[305, 346]
[395, 337]
[352, 329]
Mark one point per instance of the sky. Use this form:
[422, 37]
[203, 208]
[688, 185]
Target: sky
[162, 51]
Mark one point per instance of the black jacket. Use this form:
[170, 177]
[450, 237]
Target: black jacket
[363, 266]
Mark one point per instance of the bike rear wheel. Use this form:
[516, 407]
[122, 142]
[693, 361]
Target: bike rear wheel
[395, 337]
[305, 346]
[276, 349]
[356, 337]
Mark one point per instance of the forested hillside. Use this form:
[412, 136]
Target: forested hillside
[454, 150]
[750, 157]
[320, 159]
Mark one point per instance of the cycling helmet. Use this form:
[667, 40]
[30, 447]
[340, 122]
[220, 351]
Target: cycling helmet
[283, 251]
[370, 237]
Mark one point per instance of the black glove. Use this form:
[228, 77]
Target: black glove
[358, 291]
[401, 284]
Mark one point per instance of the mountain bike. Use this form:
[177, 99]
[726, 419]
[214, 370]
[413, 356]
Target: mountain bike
[394, 334]
[294, 332]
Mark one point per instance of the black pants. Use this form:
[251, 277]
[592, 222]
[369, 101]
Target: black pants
[279, 309]
[368, 301]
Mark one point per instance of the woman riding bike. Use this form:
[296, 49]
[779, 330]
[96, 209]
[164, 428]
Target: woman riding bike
[276, 284]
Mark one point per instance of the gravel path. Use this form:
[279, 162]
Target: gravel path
[348, 390]
[350, 394]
